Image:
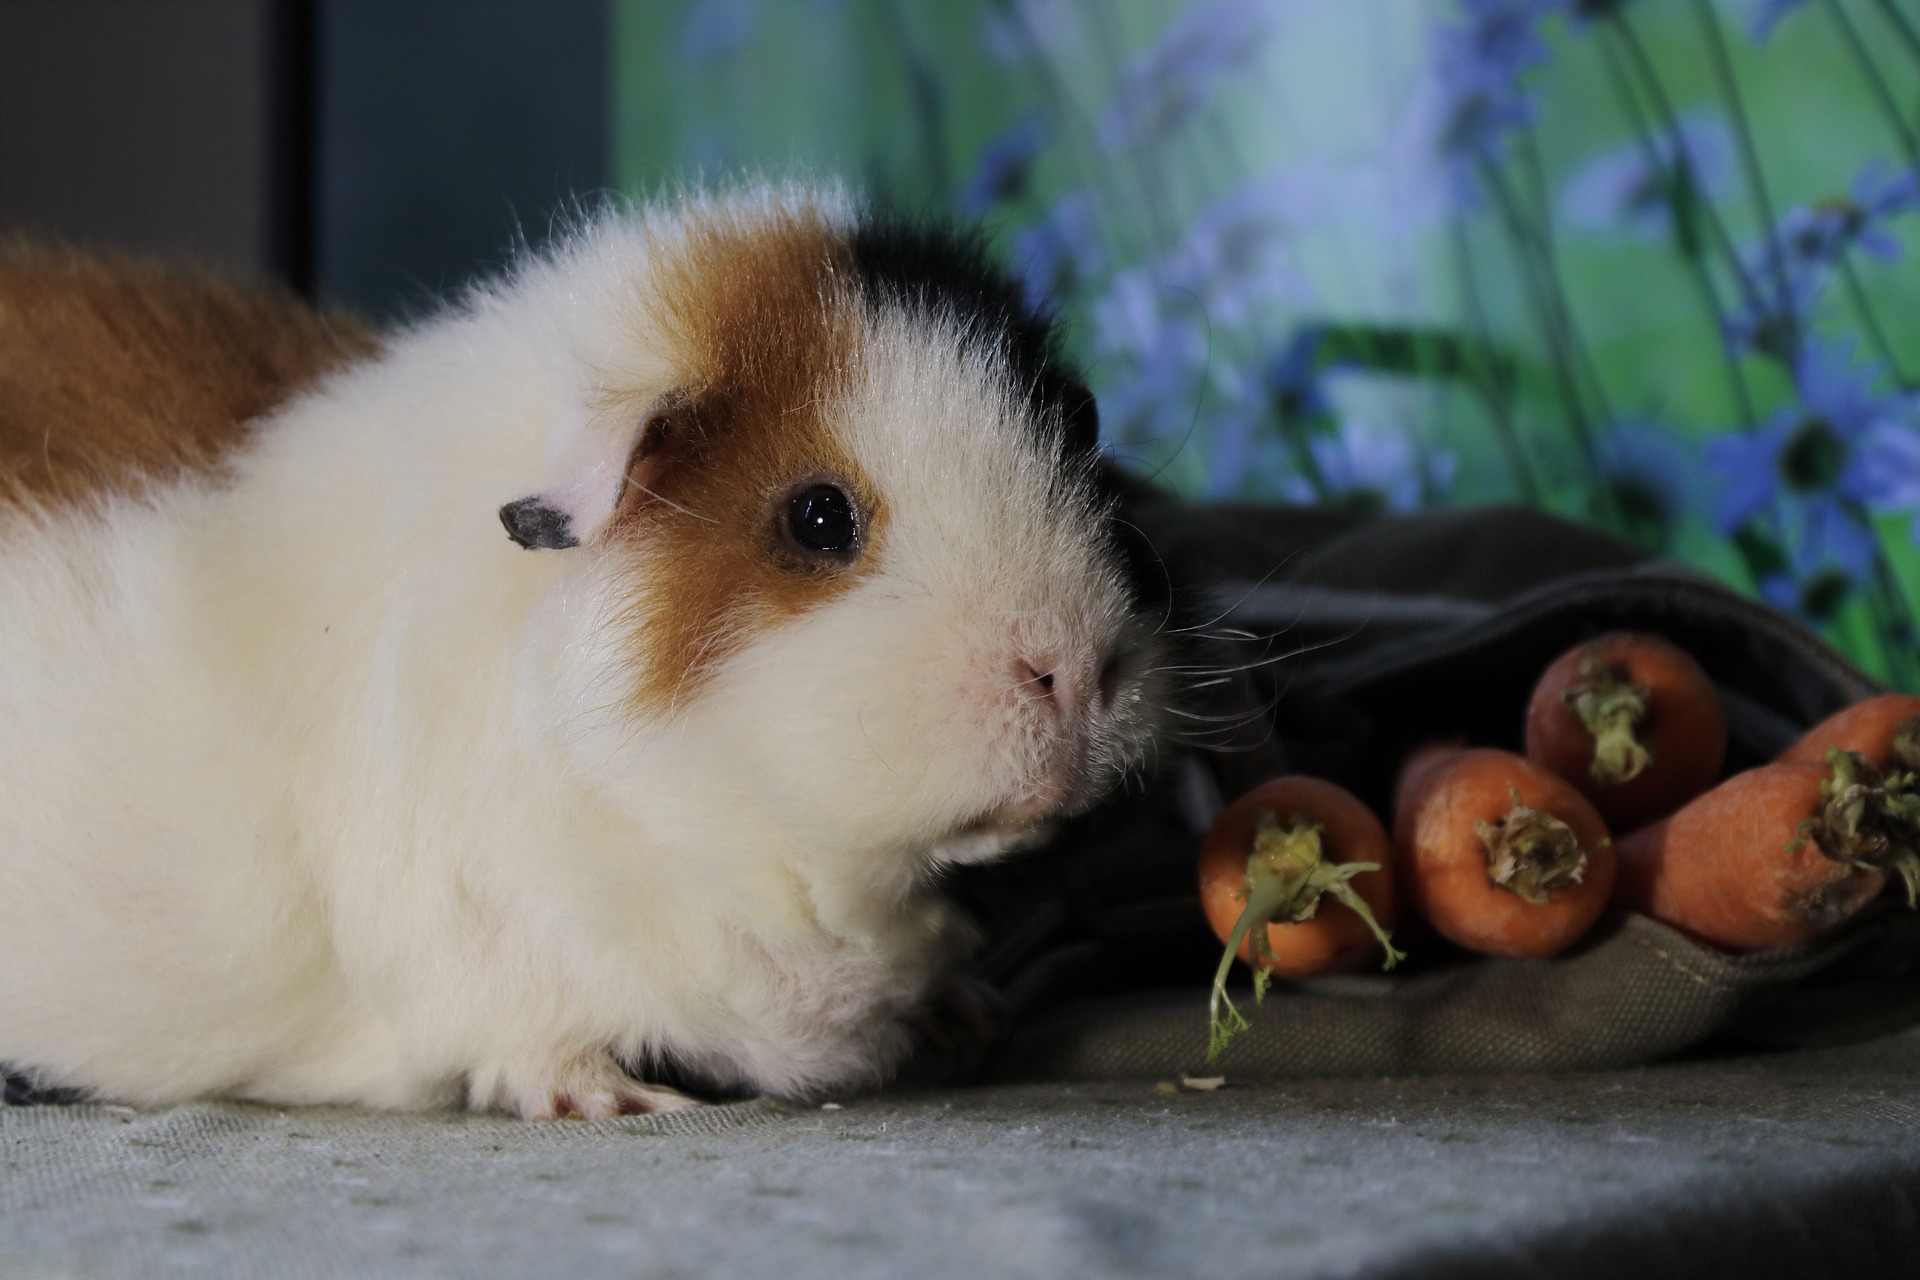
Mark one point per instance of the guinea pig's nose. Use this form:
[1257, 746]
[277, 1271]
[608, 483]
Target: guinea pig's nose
[1042, 677]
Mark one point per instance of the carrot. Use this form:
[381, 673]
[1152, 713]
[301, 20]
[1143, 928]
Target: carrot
[1499, 854]
[1886, 730]
[1268, 860]
[1776, 855]
[1630, 720]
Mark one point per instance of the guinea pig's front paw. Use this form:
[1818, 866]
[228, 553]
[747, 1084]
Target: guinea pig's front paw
[587, 1088]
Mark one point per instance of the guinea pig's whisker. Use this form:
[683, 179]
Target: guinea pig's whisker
[860, 718]
[659, 497]
[1237, 718]
[1166, 616]
[1246, 595]
[1299, 650]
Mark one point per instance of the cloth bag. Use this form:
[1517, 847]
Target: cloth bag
[1375, 635]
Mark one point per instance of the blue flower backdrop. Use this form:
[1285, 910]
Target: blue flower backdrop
[1640, 262]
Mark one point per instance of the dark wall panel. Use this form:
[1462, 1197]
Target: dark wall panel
[444, 130]
[148, 124]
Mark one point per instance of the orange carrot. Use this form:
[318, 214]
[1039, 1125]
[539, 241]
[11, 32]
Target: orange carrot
[1630, 720]
[1776, 855]
[1500, 855]
[1886, 730]
[1264, 867]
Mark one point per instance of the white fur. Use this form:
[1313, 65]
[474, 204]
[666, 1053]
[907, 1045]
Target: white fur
[314, 788]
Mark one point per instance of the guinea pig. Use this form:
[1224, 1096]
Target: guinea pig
[317, 785]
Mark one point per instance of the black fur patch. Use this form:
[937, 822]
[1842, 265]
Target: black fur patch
[18, 1089]
[938, 267]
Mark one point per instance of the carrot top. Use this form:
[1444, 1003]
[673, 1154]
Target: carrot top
[1906, 745]
[1614, 710]
[1287, 875]
[1530, 852]
[1868, 818]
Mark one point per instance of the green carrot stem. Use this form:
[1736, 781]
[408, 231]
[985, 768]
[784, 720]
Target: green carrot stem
[1287, 873]
[1906, 745]
[1613, 709]
[1344, 893]
[1868, 818]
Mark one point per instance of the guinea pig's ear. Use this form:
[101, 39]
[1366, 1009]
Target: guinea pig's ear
[602, 468]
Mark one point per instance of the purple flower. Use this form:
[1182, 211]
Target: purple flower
[1833, 554]
[1156, 396]
[1479, 66]
[1761, 322]
[1819, 236]
[1000, 172]
[1159, 364]
[1812, 241]
[1170, 83]
[1652, 476]
[1234, 255]
[1234, 457]
[1625, 189]
[1887, 471]
[1056, 254]
[1232, 259]
[1373, 468]
[1810, 454]
[1295, 379]
[1816, 469]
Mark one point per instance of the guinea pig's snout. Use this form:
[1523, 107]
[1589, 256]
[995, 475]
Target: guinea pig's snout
[1062, 685]
[1040, 678]
[1064, 693]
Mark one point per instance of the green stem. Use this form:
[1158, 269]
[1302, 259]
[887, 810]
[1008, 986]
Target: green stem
[1869, 319]
[1697, 271]
[1867, 818]
[1888, 599]
[1906, 745]
[1875, 81]
[1494, 388]
[1901, 26]
[929, 107]
[1897, 639]
[1613, 709]
[1670, 120]
[1539, 292]
[1750, 166]
[1287, 874]
[1549, 251]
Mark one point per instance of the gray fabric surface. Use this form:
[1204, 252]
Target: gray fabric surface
[1804, 1164]
[1632, 991]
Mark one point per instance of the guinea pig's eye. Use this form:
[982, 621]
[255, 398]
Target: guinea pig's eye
[821, 518]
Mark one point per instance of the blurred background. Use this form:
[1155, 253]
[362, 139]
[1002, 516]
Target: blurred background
[1636, 262]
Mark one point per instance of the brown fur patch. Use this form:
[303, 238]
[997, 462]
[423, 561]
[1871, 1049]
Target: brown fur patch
[116, 374]
[761, 320]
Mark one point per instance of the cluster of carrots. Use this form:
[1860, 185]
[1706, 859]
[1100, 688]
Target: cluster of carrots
[1507, 854]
